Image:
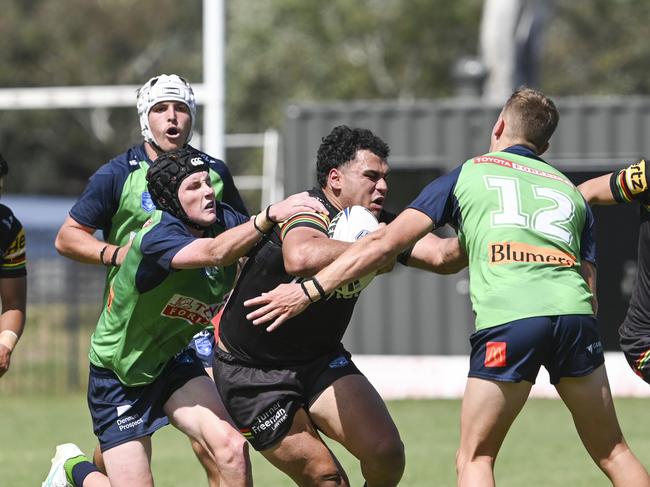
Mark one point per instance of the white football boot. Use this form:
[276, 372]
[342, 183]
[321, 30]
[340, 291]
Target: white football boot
[56, 476]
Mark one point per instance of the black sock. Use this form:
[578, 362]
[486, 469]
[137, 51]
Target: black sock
[81, 470]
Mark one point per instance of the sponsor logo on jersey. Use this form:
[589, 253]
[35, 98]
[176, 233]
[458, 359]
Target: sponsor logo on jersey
[511, 252]
[192, 310]
[495, 354]
[133, 162]
[339, 362]
[270, 419]
[146, 203]
[520, 167]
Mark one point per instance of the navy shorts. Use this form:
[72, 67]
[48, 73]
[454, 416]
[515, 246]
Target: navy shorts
[263, 401]
[568, 346]
[121, 413]
[636, 347]
[203, 344]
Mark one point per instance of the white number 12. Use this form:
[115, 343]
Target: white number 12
[548, 221]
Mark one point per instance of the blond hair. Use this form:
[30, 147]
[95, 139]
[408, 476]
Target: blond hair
[532, 116]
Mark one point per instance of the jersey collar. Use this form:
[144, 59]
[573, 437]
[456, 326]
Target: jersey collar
[522, 150]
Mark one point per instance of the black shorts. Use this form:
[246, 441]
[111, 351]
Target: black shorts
[636, 347]
[568, 346]
[263, 400]
[123, 413]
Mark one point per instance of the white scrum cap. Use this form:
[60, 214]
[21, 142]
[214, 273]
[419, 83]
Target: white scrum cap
[164, 87]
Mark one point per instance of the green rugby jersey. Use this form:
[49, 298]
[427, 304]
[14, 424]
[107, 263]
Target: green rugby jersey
[153, 311]
[117, 202]
[525, 228]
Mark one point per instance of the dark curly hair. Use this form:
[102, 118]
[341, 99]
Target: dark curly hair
[341, 146]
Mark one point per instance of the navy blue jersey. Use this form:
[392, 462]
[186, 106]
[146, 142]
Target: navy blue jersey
[116, 200]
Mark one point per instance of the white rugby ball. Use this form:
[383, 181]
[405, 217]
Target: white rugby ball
[350, 225]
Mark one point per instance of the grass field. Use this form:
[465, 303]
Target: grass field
[542, 449]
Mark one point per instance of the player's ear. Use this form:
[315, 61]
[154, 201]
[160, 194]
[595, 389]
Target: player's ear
[499, 127]
[334, 177]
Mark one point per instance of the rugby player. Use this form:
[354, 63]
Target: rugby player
[530, 311]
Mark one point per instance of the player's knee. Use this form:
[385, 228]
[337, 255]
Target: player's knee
[326, 478]
[323, 473]
[465, 457]
[232, 454]
[387, 456]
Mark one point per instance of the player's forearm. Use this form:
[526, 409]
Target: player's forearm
[77, 244]
[226, 248]
[13, 292]
[222, 250]
[13, 320]
[364, 256]
[439, 255]
[311, 256]
[597, 191]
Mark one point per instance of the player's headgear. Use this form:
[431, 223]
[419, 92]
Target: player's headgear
[4, 167]
[165, 87]
[165, 176]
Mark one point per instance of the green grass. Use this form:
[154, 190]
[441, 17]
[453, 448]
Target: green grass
[542, 448]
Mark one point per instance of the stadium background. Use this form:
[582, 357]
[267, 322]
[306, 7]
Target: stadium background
[410, 71]
[277, 110]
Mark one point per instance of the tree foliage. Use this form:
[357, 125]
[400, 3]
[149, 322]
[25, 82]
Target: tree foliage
[597, 48]
[278, 51]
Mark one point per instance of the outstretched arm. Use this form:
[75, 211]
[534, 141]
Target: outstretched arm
[597, 191]
[439, 255]
[621, 186]
[372, 252]
[227, 247]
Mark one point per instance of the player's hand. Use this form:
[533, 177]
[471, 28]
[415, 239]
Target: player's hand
[5, 358]
[280, 304]
[124, 249]
[295, 203]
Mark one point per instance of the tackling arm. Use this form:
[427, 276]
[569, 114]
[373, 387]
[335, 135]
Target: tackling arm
[227, 247]
[597, 191]
[372, 252]
[621, 186]
[439, 255]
